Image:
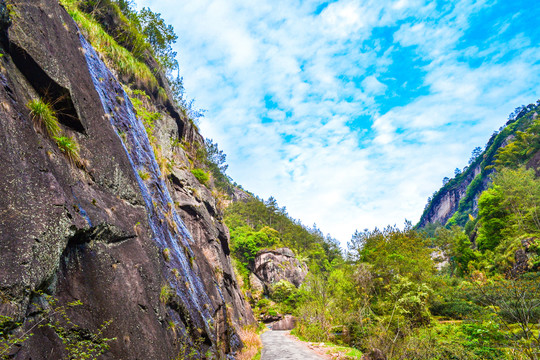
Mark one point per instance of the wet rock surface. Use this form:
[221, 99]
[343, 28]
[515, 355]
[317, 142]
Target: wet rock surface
[98, 233]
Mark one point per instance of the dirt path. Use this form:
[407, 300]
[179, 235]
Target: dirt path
[278, 346]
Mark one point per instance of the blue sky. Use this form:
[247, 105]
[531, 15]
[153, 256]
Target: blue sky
[348, 112]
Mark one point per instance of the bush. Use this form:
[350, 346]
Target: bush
[282, 290]
[455, 309]
[201, 175]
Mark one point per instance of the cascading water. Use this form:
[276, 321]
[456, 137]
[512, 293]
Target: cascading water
[168, 230]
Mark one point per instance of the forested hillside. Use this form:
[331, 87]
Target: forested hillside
[467, 290]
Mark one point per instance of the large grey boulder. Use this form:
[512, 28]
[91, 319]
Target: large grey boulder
[271, 266]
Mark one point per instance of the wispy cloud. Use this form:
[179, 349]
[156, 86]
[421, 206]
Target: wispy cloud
[351, 112]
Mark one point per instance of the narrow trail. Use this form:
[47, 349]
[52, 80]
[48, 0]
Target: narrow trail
[278, 346]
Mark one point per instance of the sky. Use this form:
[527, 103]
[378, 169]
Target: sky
[350, 113]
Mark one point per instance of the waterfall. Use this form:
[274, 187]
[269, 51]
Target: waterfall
[168, 229]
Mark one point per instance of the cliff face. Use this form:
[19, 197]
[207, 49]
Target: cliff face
[448, 201]
[148, 252]
[458, 199]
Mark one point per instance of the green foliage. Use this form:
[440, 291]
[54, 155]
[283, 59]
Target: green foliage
[457, 246]
[201, 175]
[121, 59]
[508, 212]
[69, 147]
[143, 174]
[160, 36]
[515, 301]
[167, 254]
[523, 146]
[254, 214]
[393, 252]
[493, 218]
[44, 116]
[79, 343]
[11, 335]
[282, 291]
[166, 294]
[142, 105]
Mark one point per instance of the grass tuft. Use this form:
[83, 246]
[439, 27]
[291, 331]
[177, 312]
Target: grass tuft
[118, 57]
[166, 294]
[44, 116]
[167, 254]
[70, 148]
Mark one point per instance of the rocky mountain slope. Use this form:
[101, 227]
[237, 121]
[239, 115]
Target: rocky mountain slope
[102, 210]
[458, 198]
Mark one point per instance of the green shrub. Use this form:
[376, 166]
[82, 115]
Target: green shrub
[201, 175]
[69, 147]
[282, 290]
[44, 116]
[455, 309]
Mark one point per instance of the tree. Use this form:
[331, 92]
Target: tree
[493, 218]
[393, 252]
[475, 154]
[457, 171]
[457, 246]
[515, 301]
[445, 180]
[160, 36]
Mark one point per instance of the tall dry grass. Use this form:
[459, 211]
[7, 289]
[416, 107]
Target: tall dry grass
[252, 343]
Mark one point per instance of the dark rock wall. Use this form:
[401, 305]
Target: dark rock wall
[89, 232]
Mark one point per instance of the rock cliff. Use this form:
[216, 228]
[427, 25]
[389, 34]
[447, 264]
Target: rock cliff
[138, 245]
[458, 198]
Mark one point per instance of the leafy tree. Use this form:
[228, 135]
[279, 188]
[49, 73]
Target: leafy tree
[477, 151]
[457, 246]
[393, 252]
[515, 301]
[160, 36]
[493, 218]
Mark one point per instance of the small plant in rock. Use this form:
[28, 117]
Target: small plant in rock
[166, 294]
[167, 254]
[44, 116]
[69, 147]
[143, 174]
[201, 175]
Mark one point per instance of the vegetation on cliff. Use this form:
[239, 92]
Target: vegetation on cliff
[520, 132]
[433, 293]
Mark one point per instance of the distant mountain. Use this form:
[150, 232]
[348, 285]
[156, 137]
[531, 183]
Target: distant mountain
[518, 142]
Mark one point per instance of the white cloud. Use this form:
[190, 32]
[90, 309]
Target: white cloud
[326, 71]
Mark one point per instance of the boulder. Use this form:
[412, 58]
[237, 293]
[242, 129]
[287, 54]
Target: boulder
[271, 266]
[287, 323]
